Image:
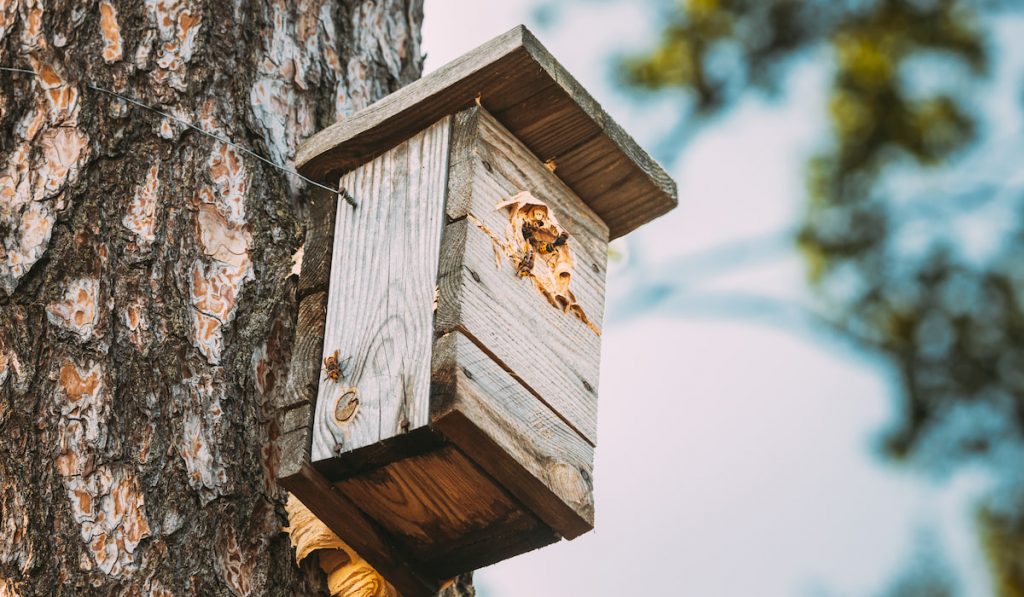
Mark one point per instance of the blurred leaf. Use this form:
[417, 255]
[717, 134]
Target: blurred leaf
[953, 326]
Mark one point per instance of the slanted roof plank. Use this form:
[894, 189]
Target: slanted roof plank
[534, 97]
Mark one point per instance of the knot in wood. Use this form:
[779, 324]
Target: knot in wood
[347, 404]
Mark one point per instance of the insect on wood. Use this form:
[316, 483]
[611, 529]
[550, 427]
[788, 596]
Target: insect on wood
[467, 290]
[332, 368]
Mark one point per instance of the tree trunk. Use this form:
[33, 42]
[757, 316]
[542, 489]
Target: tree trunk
[147, 300]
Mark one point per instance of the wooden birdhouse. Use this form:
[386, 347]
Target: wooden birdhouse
[449, 417]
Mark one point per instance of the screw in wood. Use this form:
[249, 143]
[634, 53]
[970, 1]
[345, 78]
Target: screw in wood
[347, 197]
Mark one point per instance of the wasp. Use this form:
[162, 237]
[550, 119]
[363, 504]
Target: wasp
[526, 263]
[332, 367]
[553, 245]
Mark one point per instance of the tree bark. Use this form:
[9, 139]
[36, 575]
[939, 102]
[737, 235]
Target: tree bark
[147, 300]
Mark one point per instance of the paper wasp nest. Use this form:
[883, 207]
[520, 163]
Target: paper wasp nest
[538, 248]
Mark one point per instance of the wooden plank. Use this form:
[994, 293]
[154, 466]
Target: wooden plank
[516, 79]
[553, 353]
[446, 513]
[304, 366]
[550, 121]
[637, 187]
[316, 250]
[380, 307]
[368, 540]
[499, 71]
[593, 171]
[489, 165]
[511, 435]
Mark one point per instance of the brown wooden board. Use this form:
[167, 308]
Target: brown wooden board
[445, 512]
[515, 78]
[510, 434]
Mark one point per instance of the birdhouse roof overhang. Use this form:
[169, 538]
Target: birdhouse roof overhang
[515, 79]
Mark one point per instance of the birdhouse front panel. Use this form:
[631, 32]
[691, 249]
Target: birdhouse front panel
[375, 382]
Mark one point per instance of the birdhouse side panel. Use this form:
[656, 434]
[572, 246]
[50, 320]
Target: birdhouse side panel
[523, 269]
[374, 383]
[512, 435]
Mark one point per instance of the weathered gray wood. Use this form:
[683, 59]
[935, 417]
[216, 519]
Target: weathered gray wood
[516, 79]
[510, 434]
[554, 354]
[445, 512]
[489, 164]
[379, 315]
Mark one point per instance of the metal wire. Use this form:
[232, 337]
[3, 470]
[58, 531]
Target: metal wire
[341, 191]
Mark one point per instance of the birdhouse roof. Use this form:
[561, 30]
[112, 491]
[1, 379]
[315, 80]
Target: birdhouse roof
[515, 78]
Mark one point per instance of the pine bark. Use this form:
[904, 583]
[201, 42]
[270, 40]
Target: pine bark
[147, 294]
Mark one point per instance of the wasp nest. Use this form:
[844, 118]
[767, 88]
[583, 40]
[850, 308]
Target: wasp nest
[347, 573]
[538, 248]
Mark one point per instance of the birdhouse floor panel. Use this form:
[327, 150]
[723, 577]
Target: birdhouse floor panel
[443, 511]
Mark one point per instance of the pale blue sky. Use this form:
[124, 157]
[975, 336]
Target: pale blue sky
[735, 455]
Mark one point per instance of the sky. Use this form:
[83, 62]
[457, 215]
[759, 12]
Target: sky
[736, 452]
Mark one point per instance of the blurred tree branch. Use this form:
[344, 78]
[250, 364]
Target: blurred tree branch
[953, 325]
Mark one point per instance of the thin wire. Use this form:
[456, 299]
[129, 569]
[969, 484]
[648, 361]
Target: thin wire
[341, 191]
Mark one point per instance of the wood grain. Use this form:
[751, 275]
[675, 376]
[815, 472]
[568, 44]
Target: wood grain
[555, 355]
[316, 259]
[510, 434]
[446, 512]
[527, 90]
[489, 164]
[379, 314]
[304, 366]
